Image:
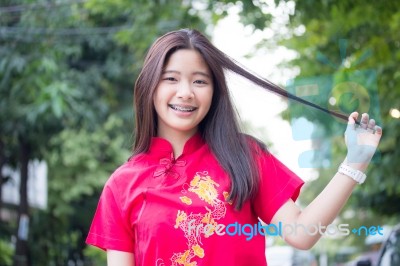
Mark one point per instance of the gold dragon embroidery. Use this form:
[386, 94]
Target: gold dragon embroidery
[205, 188]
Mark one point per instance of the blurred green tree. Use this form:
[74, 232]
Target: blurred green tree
[66, 76]
[353, 42]
[348, 60]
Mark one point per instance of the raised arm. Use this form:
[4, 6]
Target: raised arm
[119, 258]
[361, 142]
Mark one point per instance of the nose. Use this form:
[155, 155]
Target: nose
[185, 91]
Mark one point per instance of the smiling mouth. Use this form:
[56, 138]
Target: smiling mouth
[187, 109]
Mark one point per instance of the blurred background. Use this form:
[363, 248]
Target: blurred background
[67, 70]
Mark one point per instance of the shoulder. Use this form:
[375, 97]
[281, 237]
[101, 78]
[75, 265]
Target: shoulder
[128, 173]
[260, 153]
[256, 146]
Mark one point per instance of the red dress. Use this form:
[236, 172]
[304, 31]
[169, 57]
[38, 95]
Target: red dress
[175, 211]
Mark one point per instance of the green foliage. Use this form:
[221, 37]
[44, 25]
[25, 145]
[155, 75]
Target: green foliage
[6, 253]
[344, 38]
[252, 12]
[81, 160]
[67, 70]
[96, 255]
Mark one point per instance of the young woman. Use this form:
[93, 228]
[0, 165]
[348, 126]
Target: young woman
[195, 188]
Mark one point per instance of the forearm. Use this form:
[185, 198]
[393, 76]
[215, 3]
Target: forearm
[303, 228]
[327, 205]
[361, 142]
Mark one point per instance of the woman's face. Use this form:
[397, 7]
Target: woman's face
[184, 93]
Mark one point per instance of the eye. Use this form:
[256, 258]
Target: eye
[199, 81]
[169, 79]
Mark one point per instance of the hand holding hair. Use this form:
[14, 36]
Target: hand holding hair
[361, 141]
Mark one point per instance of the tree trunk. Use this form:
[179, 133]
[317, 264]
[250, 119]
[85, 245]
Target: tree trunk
[21, 252]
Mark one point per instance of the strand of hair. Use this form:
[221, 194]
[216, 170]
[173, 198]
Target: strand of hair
[235, 67]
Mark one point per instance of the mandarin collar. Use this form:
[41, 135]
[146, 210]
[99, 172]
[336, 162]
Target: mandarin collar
[160, 147]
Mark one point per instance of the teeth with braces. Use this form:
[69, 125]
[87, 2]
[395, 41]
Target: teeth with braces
[182, 109]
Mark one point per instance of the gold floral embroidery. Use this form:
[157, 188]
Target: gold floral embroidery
[196, 225]
[180, 216]
[204, 187]
[186, 200]
[226, 197]
[183, 259]
[198, 251]
[206, 218]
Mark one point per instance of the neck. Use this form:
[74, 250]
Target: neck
[177, 139]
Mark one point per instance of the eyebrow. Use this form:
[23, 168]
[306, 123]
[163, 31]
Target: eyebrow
[194, 73]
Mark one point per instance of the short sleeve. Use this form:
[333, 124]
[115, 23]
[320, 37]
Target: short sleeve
[110, 227]
[278, 184]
